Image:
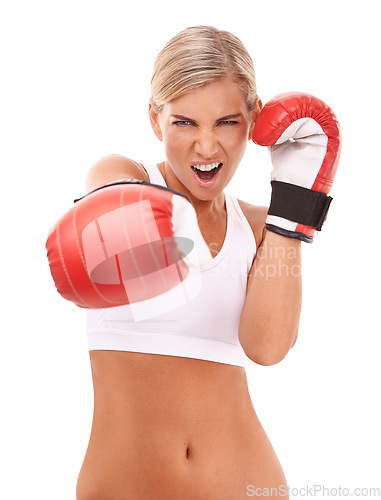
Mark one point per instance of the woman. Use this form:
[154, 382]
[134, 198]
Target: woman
[172, 425]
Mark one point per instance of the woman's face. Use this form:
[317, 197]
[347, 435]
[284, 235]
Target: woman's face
[208, 127]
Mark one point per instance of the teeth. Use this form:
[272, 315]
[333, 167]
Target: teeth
[206, 167]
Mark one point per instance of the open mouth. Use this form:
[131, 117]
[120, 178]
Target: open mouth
[206, 172]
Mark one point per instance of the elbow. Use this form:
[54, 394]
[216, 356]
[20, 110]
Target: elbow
[267, 358]
[269, 353]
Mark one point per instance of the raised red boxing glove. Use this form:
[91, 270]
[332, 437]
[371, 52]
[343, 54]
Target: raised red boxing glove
[304, 140]
[124, 243]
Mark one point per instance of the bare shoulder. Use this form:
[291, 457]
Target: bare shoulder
[256, 217]
[112, 168]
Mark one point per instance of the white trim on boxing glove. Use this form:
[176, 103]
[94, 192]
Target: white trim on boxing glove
[186, 229]
[274, 220]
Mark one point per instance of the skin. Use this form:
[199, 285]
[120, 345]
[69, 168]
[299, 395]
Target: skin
[209, 125]
[174, 427]
[213, 124]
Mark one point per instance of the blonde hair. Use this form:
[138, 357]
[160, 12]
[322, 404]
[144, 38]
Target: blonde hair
[197, 56]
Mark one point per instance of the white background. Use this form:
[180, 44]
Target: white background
[74, 87]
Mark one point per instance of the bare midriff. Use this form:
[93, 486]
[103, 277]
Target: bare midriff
[167, 427]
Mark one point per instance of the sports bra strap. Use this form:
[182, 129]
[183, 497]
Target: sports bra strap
[154, 174]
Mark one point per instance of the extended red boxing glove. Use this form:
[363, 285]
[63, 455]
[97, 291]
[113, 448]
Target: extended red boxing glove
[126, 242]
[304, 140]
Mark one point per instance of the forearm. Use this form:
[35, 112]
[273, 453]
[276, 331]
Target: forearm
[270, 317]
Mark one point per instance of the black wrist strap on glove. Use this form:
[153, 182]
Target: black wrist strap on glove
[299, 204]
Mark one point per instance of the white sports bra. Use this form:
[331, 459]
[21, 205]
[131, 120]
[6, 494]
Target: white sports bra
[200, 317]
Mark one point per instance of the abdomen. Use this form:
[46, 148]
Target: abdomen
[173, 428]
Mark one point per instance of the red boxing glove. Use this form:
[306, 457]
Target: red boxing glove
[304, 140]
[124, 243]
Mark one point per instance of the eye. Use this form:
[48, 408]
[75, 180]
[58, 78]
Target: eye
[182, 123]
[227, 122]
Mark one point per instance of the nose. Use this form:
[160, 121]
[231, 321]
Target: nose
[206, 144]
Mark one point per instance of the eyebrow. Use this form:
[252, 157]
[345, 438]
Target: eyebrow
[224, 118]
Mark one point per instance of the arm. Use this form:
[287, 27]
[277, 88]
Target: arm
[112, 168]
[304, 141]
[270, 316]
